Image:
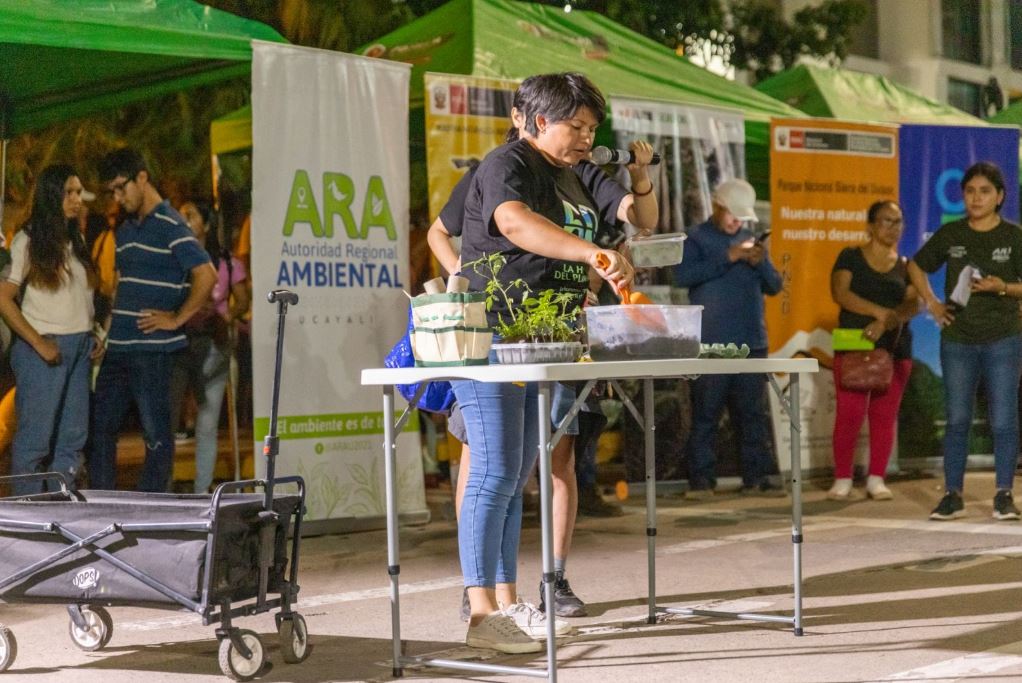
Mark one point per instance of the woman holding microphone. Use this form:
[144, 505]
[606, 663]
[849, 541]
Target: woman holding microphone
[526, 204]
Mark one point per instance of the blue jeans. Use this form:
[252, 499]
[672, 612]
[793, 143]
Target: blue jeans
[52, 404]
[124, 378]
[500, 420]
[745, 398]
[203, 367]
[998, 363]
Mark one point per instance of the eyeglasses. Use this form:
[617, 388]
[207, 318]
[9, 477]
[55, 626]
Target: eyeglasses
[114, 188]
[891, 222]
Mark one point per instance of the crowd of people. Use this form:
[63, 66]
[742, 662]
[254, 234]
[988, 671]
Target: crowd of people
[170, 297]
[97, 330]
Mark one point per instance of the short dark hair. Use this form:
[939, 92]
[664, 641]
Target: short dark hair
[874, 209]
[557, 97]
[988, 170]
[124, 162]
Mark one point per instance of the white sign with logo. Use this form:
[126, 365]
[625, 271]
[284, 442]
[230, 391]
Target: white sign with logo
[330, 222]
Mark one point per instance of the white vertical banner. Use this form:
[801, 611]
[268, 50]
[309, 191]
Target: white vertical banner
[330, 194]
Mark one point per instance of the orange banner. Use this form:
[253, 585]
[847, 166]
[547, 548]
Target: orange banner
[824, 174]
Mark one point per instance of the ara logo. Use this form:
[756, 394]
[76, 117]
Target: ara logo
[86, 578]
[338, 203]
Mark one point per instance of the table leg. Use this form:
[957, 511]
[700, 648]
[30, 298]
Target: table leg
[648, 428]
[390, 485]
[796, 494]
[545, 517]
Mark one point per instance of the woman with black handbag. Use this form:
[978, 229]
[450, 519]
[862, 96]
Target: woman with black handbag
[870, 283]
[980, 332]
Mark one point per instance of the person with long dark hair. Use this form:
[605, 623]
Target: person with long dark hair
[204, 365]
[980, 332]
[47, 301]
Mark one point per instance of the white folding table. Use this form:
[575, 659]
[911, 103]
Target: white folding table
[589, 373]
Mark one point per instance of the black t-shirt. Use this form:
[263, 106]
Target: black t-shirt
[883, 289]
[988, 316]
[518, 172]
[605, 191]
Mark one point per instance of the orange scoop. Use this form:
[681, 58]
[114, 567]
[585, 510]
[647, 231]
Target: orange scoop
[652, 319]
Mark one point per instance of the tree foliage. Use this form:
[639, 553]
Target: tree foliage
[751, 35]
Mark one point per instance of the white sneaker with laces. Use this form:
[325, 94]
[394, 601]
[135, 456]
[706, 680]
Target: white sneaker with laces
[532, 621]
[499, 632]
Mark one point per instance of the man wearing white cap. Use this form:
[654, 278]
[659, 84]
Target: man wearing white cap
[727, 271]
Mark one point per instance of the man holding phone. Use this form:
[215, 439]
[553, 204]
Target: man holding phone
[728, 271]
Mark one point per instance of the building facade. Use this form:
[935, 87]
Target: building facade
[967, 53]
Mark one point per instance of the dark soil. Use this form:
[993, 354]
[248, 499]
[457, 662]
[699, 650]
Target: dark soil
[651, 349]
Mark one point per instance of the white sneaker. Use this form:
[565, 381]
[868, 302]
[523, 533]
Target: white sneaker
[840, 490]
[532, 621]
[499, 632]
[876, 489]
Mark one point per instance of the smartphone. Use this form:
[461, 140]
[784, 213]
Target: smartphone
[762, 237]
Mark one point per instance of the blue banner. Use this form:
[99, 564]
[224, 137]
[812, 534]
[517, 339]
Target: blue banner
[932, 162]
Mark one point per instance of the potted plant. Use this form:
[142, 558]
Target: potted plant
[540, 328]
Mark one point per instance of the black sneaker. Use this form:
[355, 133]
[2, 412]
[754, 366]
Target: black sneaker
[566, 603]
[466, 607]
[950, 507]
[1004, 506]
[592, 504]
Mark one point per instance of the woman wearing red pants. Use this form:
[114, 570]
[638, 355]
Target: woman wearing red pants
[870, 283]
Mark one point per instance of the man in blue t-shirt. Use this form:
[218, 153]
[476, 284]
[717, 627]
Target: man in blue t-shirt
[727, 271]
[163, 278]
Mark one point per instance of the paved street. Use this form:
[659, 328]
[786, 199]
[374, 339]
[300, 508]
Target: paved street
[888, 596]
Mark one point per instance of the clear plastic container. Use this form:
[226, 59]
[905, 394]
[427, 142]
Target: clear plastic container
[643, 332]
[657, 251]
[538, 352]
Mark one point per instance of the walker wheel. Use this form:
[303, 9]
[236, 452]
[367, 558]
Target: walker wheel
[8, 648]
[234, 664]
[97, 634]
[294, 638]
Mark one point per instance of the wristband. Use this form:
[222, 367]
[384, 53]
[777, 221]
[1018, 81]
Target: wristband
[643, 194]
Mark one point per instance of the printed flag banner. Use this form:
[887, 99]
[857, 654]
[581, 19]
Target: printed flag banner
[466, 117]
[330, 222]
[824, 174]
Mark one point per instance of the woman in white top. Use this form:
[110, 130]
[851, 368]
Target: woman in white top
[47, 302]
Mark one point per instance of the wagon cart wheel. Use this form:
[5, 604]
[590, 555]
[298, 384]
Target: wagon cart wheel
[97, 634]
[235, 665]
[8, 648]
[294, 638]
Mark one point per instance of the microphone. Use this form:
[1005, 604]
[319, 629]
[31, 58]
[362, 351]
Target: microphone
[603, 155]
[282, 295]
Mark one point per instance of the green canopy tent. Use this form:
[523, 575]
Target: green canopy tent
[854, 96]
[504, 39]
[231, 132]
[61, 60]
[1010, 115]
